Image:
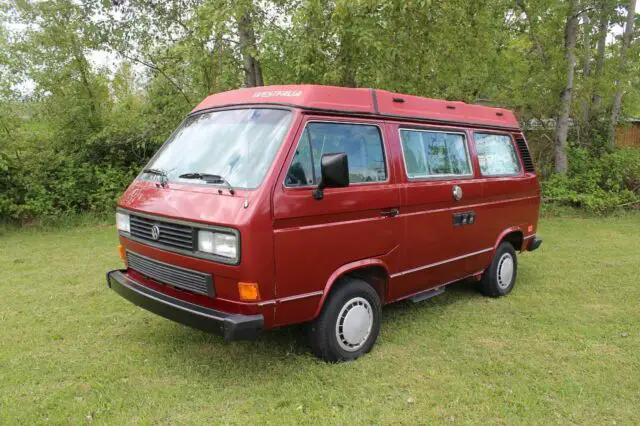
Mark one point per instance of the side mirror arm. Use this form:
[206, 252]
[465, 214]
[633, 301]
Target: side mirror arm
[318, 193]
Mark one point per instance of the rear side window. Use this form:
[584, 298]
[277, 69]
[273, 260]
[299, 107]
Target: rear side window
[434, 154]
[362, 143]
[497, 155]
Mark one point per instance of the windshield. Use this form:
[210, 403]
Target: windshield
[238, 145]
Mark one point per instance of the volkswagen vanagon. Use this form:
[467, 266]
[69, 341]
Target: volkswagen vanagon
[280, 205]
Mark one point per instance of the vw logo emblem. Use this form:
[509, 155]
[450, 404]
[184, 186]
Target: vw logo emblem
[155, 232]
[457, 193]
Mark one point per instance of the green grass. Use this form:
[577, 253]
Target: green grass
[564, 347]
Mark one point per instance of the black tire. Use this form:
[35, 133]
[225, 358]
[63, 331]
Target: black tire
[493, 283]
[323, 334]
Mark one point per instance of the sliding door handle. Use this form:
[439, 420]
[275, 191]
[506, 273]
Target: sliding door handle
[390, 212]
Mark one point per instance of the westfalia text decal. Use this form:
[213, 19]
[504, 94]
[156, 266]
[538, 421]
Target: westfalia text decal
[282, 93]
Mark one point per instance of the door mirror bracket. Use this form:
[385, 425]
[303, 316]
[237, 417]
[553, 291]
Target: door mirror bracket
[334, 173]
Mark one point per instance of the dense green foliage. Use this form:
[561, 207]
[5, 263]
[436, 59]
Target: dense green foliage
[596, 184]
[89, 90]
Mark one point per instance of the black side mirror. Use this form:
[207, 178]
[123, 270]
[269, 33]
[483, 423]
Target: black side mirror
[334, 172]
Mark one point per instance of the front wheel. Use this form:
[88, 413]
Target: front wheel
[349, 323]
[500, 278]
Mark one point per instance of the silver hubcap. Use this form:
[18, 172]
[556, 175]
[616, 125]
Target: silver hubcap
[505, 271]
[354, 324]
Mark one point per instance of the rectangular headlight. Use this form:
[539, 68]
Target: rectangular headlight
[218, 243]
[122, 222]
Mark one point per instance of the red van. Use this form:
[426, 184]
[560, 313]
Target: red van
[279, 205]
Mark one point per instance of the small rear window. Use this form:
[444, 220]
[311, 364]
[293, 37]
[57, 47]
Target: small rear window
[497, 155]
[434, 154]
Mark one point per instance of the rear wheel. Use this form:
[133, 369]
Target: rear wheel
[349, 323]
[500, 278]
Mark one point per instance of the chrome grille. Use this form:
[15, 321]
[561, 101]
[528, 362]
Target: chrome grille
[186, 279]
[171, 235]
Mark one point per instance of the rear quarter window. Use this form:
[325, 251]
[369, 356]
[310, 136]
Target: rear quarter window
[497, 155]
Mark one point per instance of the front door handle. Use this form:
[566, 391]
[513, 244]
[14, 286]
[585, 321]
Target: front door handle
[390, 212]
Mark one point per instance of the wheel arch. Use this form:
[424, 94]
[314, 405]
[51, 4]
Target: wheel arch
[514, 235]
[373, 271]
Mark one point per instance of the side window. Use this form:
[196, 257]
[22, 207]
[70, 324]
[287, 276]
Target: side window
[361, 142]
[433, 154]
[301, 170]
[497, 155]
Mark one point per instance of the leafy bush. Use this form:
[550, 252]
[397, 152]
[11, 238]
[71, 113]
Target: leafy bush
[51, 183]
[596, 184]
[51, 167]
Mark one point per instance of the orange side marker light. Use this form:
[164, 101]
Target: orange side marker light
[249, 292]
[530, 228]
[121, 252]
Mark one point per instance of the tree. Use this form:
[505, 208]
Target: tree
[76, 126]
[245, 16]
[603, 27]
[562, 126]
[622, 72]
[586, 61]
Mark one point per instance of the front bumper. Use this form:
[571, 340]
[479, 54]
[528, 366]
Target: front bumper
[231, 326]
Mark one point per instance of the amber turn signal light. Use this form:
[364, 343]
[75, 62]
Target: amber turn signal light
[248, 291]
[121, 251]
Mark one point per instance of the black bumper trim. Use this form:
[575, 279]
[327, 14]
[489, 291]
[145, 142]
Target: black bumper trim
[230, 326]
[535, 243]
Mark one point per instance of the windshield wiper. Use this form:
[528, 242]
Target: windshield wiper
[163, 175]
[209, 178]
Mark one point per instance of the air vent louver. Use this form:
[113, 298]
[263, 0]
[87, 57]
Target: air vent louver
[526, 156]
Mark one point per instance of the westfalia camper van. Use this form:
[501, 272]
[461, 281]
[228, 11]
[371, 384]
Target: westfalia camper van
[280, 205]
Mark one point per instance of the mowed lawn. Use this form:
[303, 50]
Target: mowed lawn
[564, 347]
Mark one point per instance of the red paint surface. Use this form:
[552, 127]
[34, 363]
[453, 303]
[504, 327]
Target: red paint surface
[293, 245]
[350, 100]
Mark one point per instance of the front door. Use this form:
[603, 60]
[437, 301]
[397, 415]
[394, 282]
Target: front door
[313, 238]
